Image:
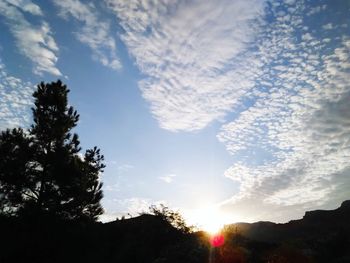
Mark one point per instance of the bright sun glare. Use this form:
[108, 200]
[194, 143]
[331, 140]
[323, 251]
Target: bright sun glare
[209, 219]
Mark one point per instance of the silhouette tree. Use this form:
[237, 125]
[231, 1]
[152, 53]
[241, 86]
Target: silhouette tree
[172, 217]
[41, 169]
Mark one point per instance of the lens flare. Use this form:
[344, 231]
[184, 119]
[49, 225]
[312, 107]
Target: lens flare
[217, 240]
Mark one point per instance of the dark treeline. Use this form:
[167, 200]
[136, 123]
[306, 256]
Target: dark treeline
[50, 198]
[322, 236]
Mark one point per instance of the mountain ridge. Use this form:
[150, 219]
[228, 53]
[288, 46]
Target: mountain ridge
[312, 225]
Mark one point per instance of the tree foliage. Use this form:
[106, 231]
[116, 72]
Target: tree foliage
[172, 217]
[41, 168]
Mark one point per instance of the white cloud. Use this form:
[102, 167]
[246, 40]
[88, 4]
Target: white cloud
[137, 205]
[35, 42]
[94, 31]
[15, 100]
[328, 26]
[108, 217]
[168, 178]
[300, 115]
[316, 9]
[187, 50]
[26, 6]
[127, 207]
[287, 85]
[308, 127]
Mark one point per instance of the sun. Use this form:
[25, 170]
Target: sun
[212, 224]
[209, 219]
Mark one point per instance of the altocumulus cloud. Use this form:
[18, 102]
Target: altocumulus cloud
[35, 42]
[186, 49]
[299, 114]
[15, 99]
[286, 79]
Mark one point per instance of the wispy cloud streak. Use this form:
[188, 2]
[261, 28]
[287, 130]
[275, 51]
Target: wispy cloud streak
[94, 31]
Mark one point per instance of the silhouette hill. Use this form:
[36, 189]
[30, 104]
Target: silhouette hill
[320, 236]
[314, 224]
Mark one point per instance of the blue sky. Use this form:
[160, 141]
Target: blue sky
[242, 106]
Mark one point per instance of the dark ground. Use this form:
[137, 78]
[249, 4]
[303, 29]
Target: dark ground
[321, 236]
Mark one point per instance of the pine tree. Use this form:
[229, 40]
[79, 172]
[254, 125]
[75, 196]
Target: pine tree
[41, 169]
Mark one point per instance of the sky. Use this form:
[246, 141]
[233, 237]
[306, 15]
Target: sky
[234, 108]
